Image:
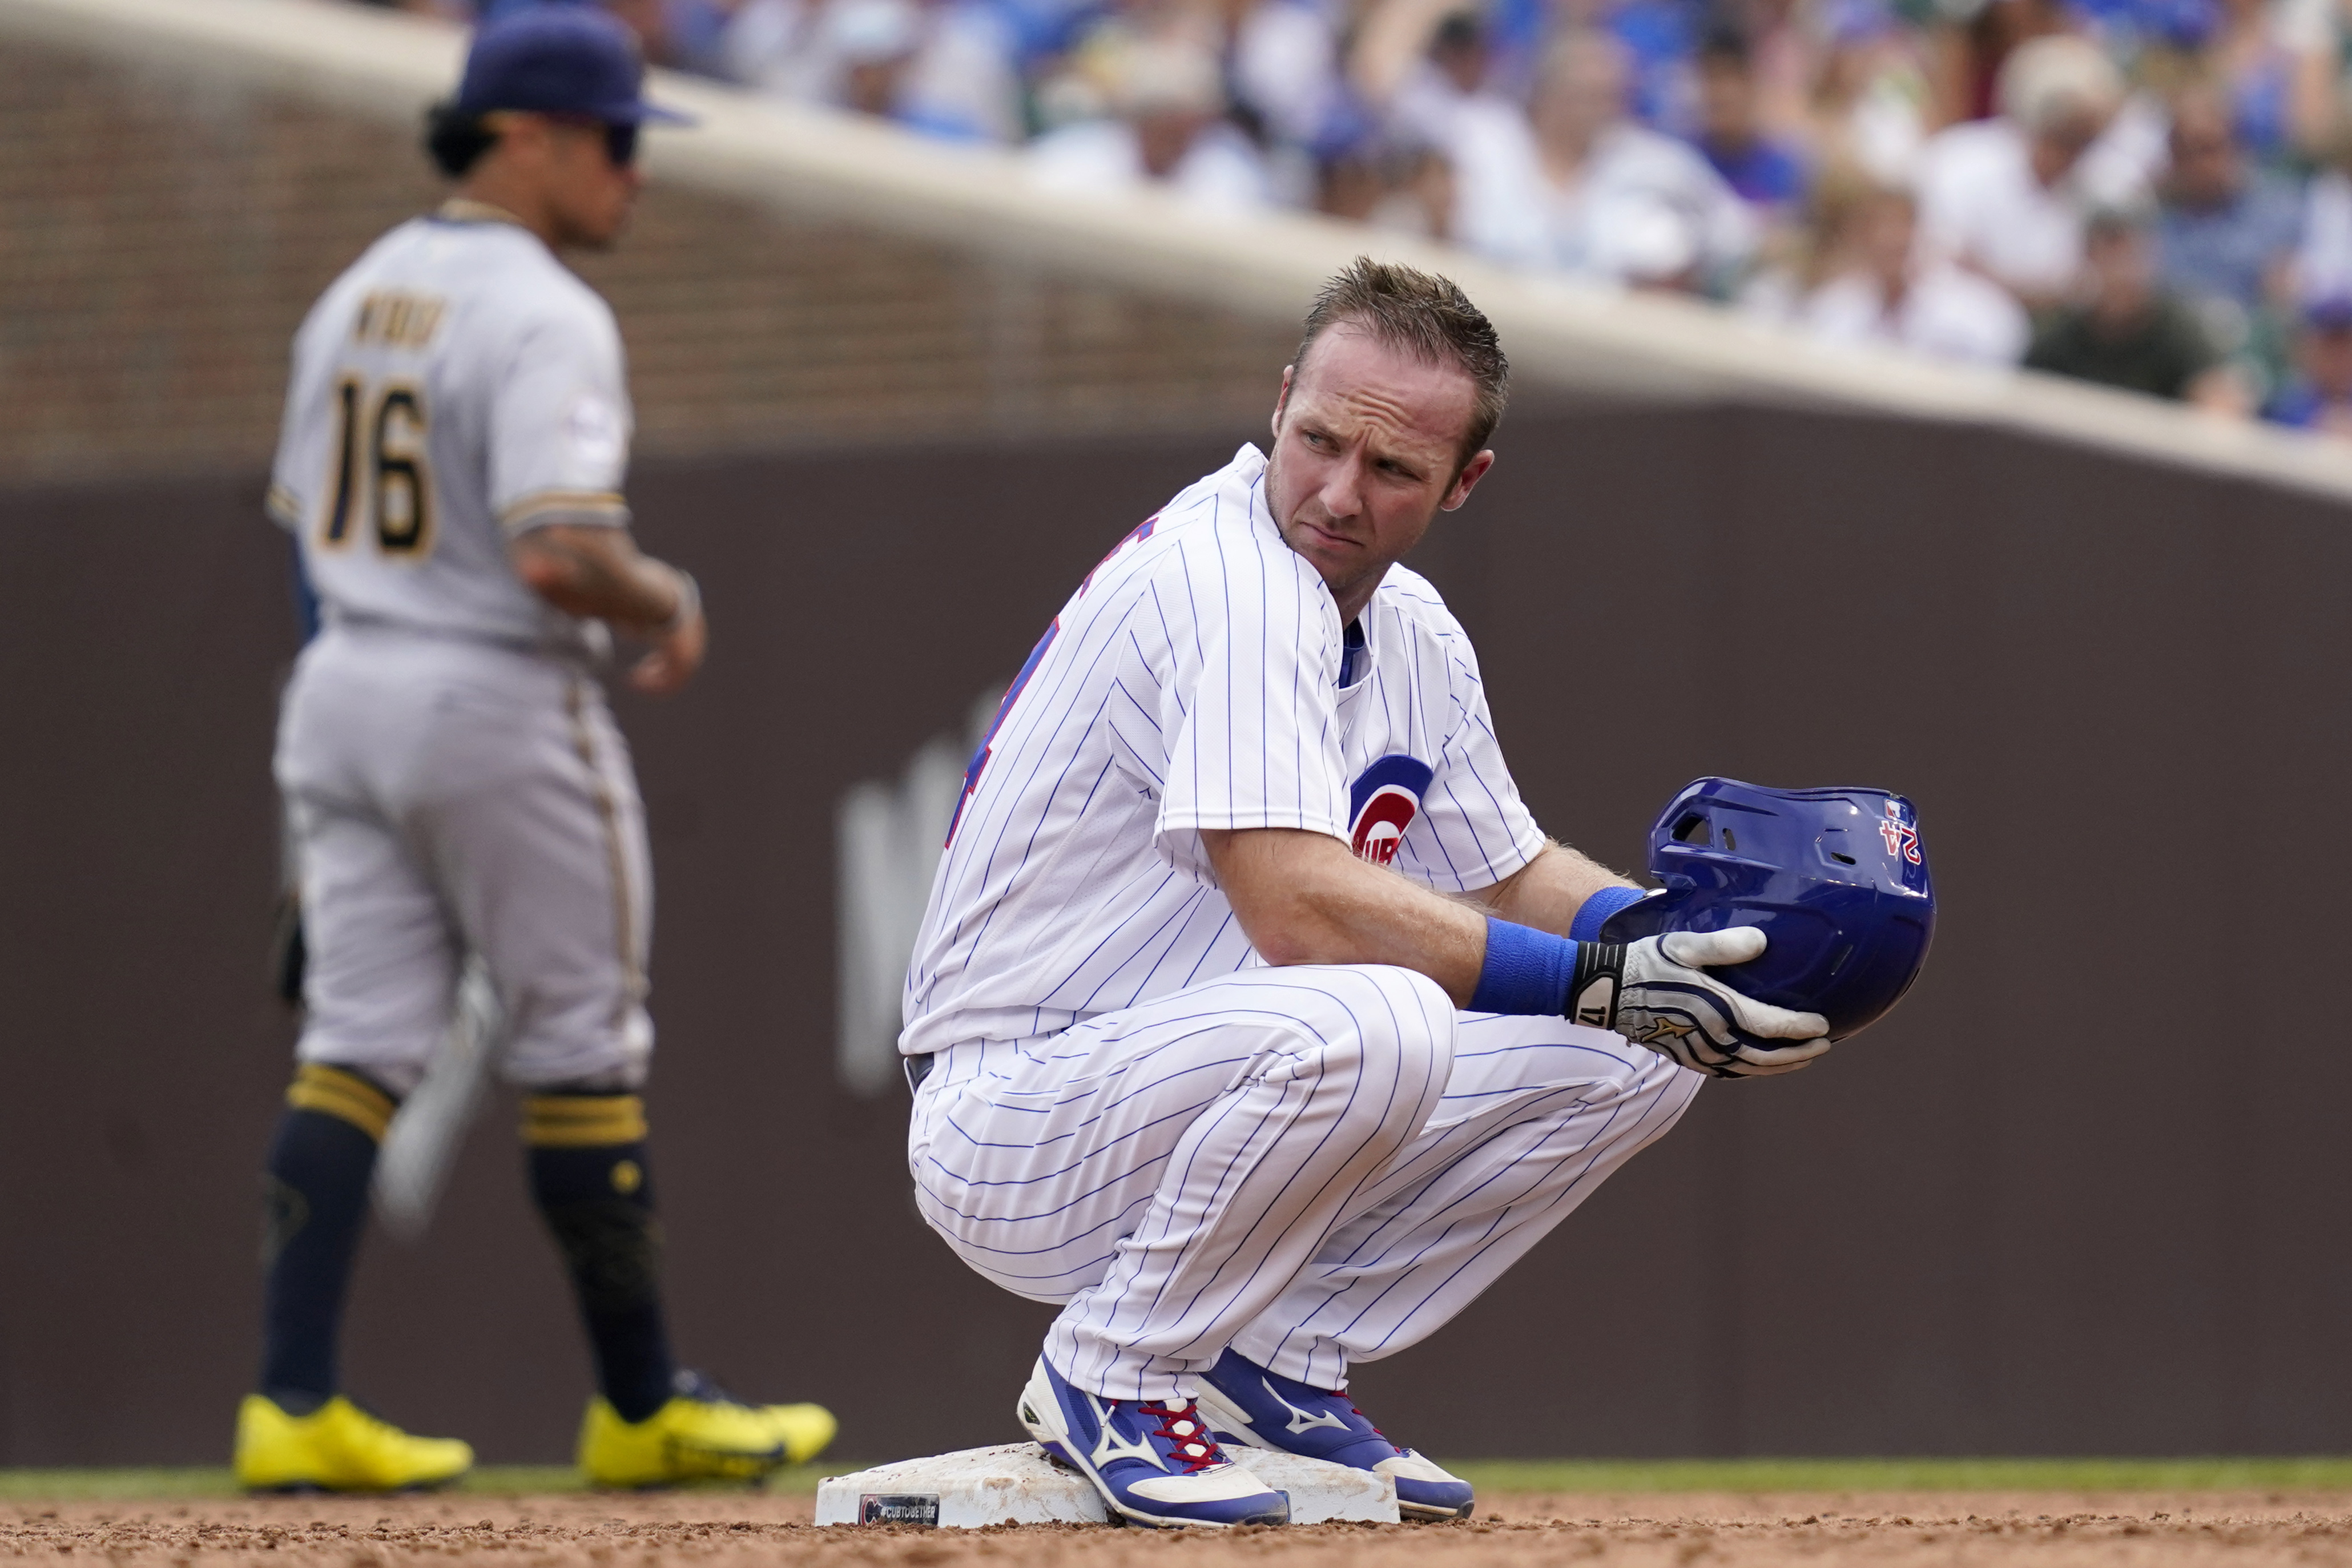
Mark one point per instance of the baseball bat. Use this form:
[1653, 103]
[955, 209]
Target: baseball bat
[427, 1133]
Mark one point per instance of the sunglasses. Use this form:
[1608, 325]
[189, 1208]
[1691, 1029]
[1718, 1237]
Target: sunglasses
[620, 139]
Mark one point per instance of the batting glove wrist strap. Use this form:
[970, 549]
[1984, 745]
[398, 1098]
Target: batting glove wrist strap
[1526, 971]
[1598, 986]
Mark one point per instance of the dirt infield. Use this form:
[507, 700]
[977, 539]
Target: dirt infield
[1669, 1530]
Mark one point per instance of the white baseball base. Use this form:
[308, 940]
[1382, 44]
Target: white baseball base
[1016, 1483]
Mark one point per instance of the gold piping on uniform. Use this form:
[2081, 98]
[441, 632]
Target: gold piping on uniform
[583, 1120]
[284, 507]
[625, 924]
[331, 1092]
[595, 503]
[466, 210]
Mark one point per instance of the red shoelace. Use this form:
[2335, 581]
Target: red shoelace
[1186, 1434]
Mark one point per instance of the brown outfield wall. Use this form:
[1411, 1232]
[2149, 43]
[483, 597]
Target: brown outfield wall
[2081, 1195]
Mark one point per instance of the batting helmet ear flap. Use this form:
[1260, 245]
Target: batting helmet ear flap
[1836, 879]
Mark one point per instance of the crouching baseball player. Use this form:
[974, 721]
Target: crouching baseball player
[456, 429]
[1253, 1018]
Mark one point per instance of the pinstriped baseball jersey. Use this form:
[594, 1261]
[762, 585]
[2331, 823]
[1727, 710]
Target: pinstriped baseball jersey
[456, 386]
[1194, 682]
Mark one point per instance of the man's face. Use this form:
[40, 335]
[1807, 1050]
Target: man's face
[1367, 452]
[2204, 156]
[1583, 94]
[1462, 62]
[1727, 100]
[590, 195]
[2328, 359]
[2122, 266]
[2060, 145]
[1884, 231]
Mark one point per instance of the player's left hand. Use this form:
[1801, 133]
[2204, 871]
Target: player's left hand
[1668, 1002]
[676, 652]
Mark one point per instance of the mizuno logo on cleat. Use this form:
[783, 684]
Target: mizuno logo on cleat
[1300, 1421]
[1110, 1447]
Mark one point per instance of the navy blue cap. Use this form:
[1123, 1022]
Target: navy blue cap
[558, 60]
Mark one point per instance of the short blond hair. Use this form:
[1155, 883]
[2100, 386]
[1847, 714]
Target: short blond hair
[2047, 79]
[1426, 318]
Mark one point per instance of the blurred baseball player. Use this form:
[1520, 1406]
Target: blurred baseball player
[456, 433]
[1253, 1018]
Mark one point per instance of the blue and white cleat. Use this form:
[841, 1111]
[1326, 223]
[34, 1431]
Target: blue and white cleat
[1247, 1405]
[1155, 1464]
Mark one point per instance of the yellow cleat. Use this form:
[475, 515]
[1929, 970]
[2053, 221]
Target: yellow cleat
[697, 1436]
[338, 1447]
[805, 1429]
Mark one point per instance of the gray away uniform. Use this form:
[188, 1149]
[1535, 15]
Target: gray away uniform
[453, 777]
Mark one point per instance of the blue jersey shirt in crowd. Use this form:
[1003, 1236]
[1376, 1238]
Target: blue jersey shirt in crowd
[1764, 174]
[1659, 36]
[2228, 251]
[2299, 405]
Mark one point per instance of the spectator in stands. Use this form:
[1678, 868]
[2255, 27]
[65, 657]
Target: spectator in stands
[940, 66]
[1878, 289]
[2226, 233]
[1426, 88]
[1784, 43]
[1580, 188]
[2324, 265]
[2125, 330]
[1168, 129]
[2003, 195]
[1283, 60]
[1656, 40]
[2007, 196]
[1763, 170]
[1542, 134]
[1391, 183]
[2276, 65]
[875, 42]
[1969, 43]
[1870, 95]
[2319, 397]
[943, 67]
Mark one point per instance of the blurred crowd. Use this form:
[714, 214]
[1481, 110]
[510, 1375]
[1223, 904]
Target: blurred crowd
[2154, 194]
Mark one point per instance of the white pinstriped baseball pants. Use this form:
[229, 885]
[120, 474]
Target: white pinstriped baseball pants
[1316, 1165]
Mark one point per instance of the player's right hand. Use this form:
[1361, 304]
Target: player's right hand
[677, 652]
[1667, 1001]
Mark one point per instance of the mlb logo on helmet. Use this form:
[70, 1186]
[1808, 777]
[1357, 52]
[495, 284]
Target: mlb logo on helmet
[1383, 801]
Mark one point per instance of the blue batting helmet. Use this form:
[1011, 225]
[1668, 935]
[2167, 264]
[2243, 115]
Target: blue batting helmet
[1836, 878]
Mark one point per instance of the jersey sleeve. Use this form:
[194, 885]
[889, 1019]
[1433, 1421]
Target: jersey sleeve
[559, 437]
[1474, 830]
[1252, 713]
[302, 436]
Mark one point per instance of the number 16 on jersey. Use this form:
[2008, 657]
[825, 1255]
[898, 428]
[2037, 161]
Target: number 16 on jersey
[382, 479]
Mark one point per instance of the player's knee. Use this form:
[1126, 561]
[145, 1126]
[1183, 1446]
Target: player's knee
[1399, 1028]
[580, 1049]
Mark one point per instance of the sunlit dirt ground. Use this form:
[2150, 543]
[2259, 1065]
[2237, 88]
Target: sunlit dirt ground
[722, 1529]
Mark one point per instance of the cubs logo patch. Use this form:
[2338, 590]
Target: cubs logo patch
[1382, 803]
